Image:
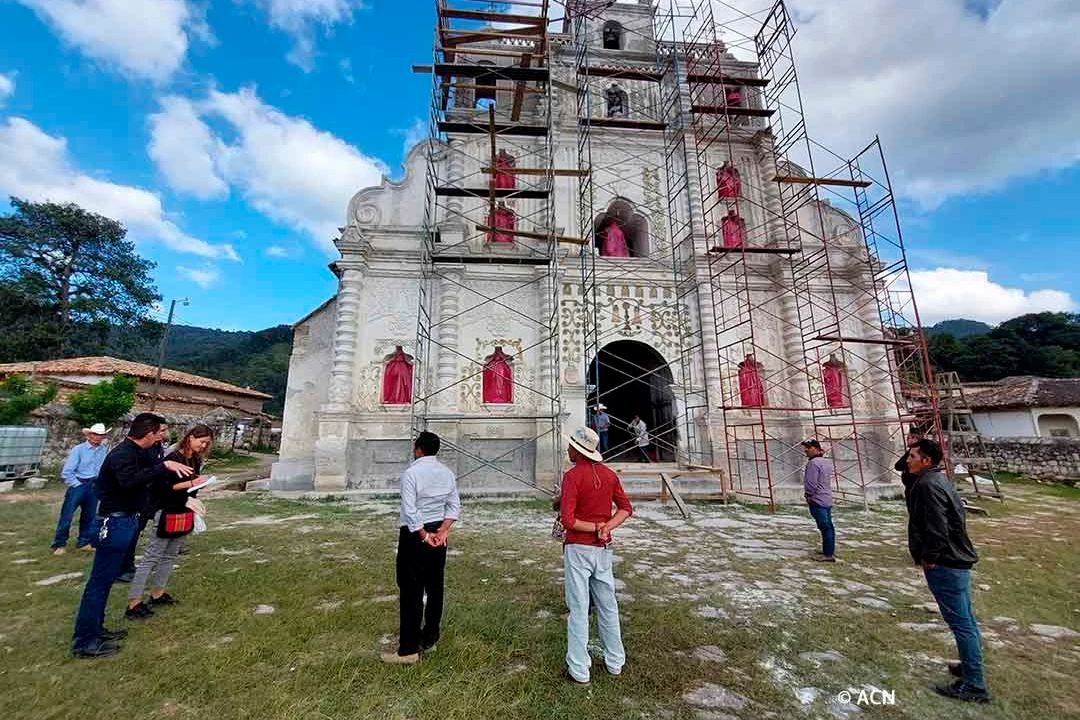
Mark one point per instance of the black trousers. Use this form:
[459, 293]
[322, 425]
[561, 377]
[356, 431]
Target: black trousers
[129, 559]
[420, 569]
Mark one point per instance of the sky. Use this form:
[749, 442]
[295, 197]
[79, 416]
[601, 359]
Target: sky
[229, 135]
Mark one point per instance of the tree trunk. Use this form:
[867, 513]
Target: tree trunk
[65, 294]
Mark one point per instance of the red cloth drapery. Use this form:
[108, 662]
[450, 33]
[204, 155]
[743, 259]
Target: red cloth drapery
[734, 230]
[397, 379]
[614, 244]
[498, 380]
[728, 182]
[504, 180]
[834, 377]
[503, 220]
[751, 389]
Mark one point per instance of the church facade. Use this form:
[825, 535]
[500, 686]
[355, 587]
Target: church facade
[348, 416]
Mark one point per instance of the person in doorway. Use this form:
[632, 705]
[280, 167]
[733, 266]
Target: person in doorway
[939, 544]
[168, 494]
[602, 425]
[121, 487]
[429, 506]
[817, 487]
[152, 454]
[641, 438]
[588, 491]
[79, 473]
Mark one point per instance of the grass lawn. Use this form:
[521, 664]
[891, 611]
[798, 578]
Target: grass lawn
[230, 461]
[723, 617]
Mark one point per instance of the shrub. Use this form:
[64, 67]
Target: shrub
[106, 402]
[18, 398]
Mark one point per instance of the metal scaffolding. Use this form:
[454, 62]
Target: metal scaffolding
[777, 266]
[490, 101]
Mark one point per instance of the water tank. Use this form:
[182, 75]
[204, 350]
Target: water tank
[20, 451]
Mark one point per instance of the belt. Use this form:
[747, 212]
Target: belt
[119, 514]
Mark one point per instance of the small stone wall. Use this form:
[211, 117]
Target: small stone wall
[1056, 460]
[65, 433]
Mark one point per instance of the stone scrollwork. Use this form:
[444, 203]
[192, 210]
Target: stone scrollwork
[367, 215]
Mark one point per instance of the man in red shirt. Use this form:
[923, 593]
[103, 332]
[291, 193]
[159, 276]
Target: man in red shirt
[589, 489]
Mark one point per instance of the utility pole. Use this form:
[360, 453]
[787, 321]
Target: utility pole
[161, 351]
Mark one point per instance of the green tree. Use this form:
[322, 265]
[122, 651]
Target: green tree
[106, 402]
[18, 398]
[77, 271]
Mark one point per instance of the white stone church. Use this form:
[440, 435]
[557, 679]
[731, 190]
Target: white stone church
[339, 430]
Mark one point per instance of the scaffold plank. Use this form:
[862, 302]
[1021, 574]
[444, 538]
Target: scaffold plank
[519, 92]
[534, 235]
[481, 127]
[528, 74]
[706, 79]
[836, 182]
[471, 36]
[483, 192]
[754, 250]
[560, 172]
[622, 123]
[447, 12]
[438, 259]
[734, 111]
[913, 340]
[621, 73]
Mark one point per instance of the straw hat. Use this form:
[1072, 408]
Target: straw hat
[585, 440]
[97, 429]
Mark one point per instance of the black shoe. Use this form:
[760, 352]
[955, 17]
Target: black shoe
[821, 557]
[103, 648]
[165, 599]
[125, 577]
[139, 612]
[112, 635]
[955, 670]
[428, 646]
[960, 690]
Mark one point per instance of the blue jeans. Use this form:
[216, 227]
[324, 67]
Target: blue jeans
[84, 499]
[951, 587]
[587, 573]
[823, 517]
[112, 542]
[603, 440]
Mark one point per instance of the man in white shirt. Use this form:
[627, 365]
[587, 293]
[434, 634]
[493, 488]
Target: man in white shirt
[641, 437]
[429, 506]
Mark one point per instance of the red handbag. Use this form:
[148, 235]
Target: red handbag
[175, 524]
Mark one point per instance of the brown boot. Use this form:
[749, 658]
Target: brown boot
[395, 659]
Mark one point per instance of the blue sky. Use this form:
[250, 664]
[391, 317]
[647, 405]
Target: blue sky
[229, 135]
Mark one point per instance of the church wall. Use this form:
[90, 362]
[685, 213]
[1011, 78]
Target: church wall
[309, 373]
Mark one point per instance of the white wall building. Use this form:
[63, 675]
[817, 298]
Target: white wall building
[1026, 407]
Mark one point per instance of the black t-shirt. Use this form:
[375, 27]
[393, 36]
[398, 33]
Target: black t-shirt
[162, 494]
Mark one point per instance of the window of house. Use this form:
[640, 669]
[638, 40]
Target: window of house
[613, 35]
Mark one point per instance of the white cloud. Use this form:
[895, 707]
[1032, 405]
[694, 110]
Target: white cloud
[413, 134]
[950, 87]
[947, 293]
[143, 38]
[203, 277]
[345, 64]
[36, 166]
[182, 146]
[286, 168]
[277, 251]
[300, 18]
[7, 87]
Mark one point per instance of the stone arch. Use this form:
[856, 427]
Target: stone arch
[633, 224]
[632, 377]
[616, 102]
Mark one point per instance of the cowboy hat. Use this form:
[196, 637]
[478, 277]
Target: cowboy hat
[585, 440]
[97, 429]
[601, 406]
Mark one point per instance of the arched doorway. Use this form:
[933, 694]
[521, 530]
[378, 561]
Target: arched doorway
[634, 379]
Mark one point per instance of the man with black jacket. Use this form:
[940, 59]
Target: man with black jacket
[939, 544]
[153, 454]
[121, 485]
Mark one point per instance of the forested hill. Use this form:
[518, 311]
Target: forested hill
[249, 359]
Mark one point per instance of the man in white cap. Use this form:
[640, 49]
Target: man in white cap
[589, 489]
[602, 425]
[79, 472]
